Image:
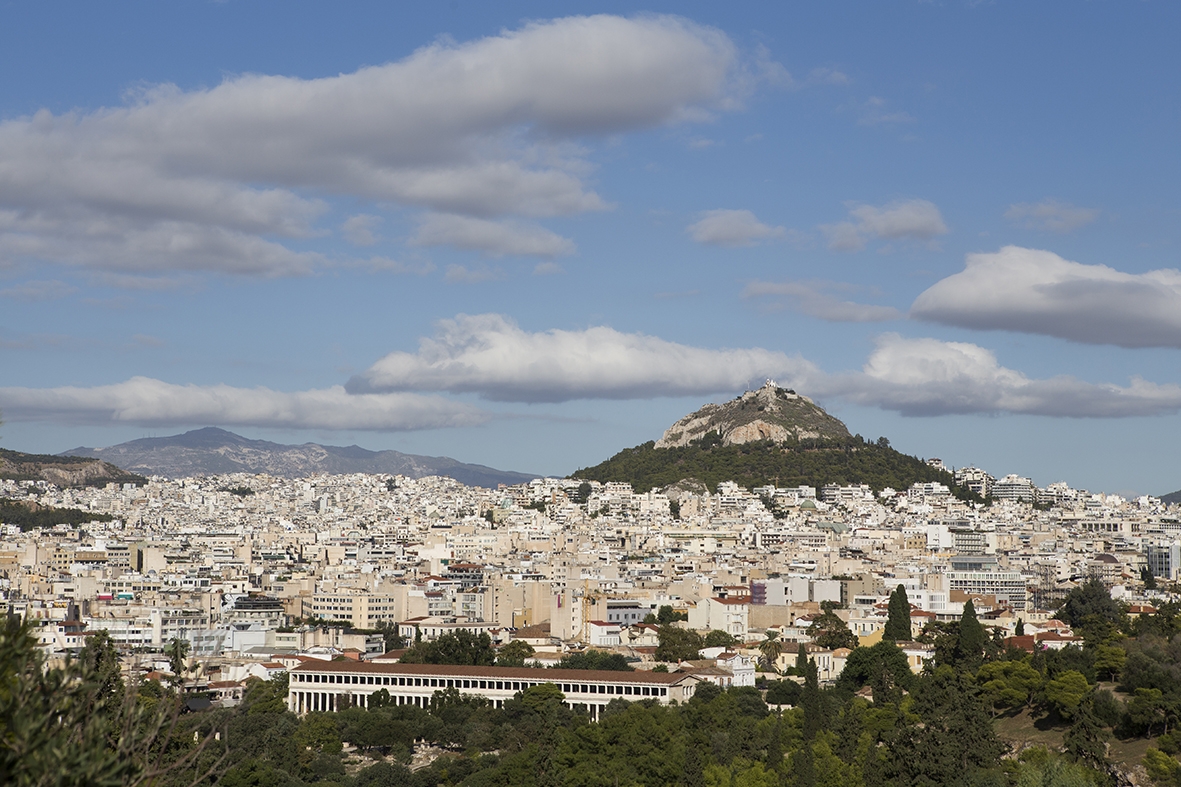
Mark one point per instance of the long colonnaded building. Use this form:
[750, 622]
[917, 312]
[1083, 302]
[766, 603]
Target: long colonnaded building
[335, 685]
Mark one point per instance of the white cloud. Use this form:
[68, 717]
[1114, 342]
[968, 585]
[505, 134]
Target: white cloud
[142, 400]
[811, 298]
[927, 377]
[731, 228]
[1018, 289]
[220, 179]
[490, 355]
[1051, 215]
[358, 230]
[915, 219]
[494, 238]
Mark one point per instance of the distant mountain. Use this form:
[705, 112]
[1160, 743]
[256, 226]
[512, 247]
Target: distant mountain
[213, 451]
[64, 471]
[1171, 497]
[769, 436]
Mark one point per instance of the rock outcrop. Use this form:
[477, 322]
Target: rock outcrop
[770, 413]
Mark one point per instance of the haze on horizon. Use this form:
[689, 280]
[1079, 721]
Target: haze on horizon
[529, 241]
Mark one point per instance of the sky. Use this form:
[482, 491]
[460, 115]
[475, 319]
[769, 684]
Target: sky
[532, 234]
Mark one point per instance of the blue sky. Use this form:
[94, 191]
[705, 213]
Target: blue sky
[531, 234]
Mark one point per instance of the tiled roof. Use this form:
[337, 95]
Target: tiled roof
[517, 673]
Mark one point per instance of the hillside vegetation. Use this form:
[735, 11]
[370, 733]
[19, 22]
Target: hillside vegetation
[63, 471]
[790, 463]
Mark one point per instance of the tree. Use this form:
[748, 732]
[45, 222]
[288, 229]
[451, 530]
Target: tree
[810, 700]
[666, 614]
[73, 726]
[830, 632]
[1148, 578]
[1019, 629]
[898, 617]
[177, 651]
[677, 644]
[462, 647]
[1007, 684]
[1086, 740]
[718, 639]
[514, 654]
[1065, 692]
[1088, 604]
[771, 647]
[883, 667]
[597, 660]
[972, 637]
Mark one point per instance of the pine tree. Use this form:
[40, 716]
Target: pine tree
[811, 702]
[898, 617]
[1086, 740]
[972, 636]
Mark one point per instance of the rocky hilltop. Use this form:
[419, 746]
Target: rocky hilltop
[213, 451]
[770, 413]
[769, 436]
[62, 471]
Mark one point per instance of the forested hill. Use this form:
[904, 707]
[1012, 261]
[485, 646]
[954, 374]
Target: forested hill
[785, 464]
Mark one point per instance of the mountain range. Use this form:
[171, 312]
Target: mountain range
[213, 451]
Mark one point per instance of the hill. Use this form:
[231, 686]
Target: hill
[1171, 497]
[63, 471]
[796, 443]
[770, 413]
[213, 451]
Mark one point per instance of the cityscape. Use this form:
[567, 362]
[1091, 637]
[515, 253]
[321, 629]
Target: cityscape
[680, 394]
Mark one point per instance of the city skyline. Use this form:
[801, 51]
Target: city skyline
[530, 241]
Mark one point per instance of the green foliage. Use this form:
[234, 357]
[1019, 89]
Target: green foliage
[719, 639]
[1089, 605]
[666, 614]
[462, 647]
[677, 644]
[810, 462]
[897, 627]
[830, 632]
[972, 637]
[882, 667]
[1162, 768]
[1063, 693]
[514, 654]
[76, 724]
[770, 648]
[1006, 685]
[595, 659]
[17, 512]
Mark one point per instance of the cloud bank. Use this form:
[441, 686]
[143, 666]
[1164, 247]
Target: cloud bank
[490, 355]
[927, 377]
[1018, 289]
[226, 179]
[148, 402]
